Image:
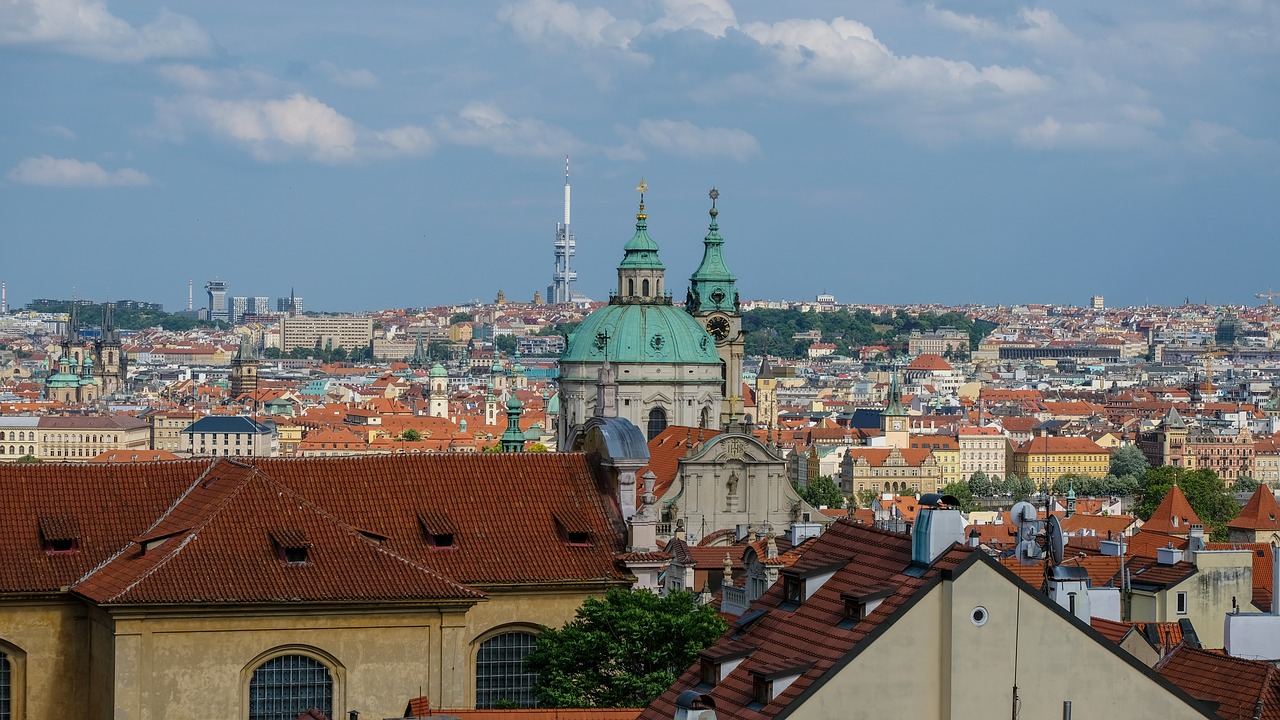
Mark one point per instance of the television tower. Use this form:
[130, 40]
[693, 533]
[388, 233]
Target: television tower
[561, 290]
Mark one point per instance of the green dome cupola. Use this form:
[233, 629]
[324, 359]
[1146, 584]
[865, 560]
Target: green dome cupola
[712, 287]
[640, 274]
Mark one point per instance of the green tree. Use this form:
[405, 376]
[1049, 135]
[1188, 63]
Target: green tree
[506, 344]
[537, 447]
[1204, 490]
[271, 353]
[1019, 488]
[460, 317]
[980, 485]
[864, 498]
[961, 492]
[622, 650]
[1129, 460]
[410, 435]
[1245, 484]
[822, 492]
[29, 459]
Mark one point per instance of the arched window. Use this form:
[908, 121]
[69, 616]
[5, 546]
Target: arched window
[286, 686]
[644, 287]
[706, 418]
[500, 674]
[657, 422]
[631, 286]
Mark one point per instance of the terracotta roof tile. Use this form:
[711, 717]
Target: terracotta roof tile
[1239, 687]
[1260, 513]
[1173, 515]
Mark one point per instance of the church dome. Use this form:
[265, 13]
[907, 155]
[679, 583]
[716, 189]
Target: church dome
[641, 333]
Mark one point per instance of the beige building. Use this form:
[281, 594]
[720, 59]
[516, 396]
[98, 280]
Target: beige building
[982, 449]
[218, 589]
[301, 331]
[894, 470]
[18, 437]
[80, 438]
[230, 436]
[167, 427]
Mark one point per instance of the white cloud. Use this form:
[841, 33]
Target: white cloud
[359, 79]
[847, 50]
[684, 138]
[1032, 26]
[60, 131]
[482, 124]
[88, 29]
[227, 80]
[712, 17]
[295, 126]
[48, 171]
[1052, 133]
[1208, 138]
[544, 21]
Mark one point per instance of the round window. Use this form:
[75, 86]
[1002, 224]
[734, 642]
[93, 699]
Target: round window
[978, 616]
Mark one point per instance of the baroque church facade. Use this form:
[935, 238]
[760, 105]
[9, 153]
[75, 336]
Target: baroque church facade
[651, 362]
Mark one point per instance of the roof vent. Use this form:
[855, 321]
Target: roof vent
[573, 528]
[438, 530]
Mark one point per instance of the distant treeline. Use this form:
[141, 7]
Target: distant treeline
[848, 329]
[127, 318]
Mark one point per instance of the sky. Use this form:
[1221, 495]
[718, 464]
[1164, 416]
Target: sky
[405, 154]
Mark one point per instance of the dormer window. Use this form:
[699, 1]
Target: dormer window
[792, 590]
[438, 530]
[858, 605]
[717, 662]
[769, 680]
[59, 534]
[291, 546]
[573, 529]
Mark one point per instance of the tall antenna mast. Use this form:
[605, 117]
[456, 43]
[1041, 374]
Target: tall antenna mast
[190, 295]
[561, 289]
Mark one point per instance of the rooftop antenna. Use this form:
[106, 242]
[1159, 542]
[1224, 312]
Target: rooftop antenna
[561, 290]
[190, 295]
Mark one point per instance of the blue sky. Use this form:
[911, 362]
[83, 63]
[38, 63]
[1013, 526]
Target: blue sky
[401, 153]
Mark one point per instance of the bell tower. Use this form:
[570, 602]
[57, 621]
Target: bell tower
[713, 301]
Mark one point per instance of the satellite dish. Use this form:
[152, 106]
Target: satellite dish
[1028, 550]
[1054, 539]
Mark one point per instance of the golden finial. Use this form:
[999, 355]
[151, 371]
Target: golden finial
[642, 188]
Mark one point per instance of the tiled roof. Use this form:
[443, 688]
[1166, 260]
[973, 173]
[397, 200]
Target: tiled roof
[1173, 515]
[666, 450]
[1260, 513]
[810, 635]
[930, 362]
[1061, 445]
[510, 514]
[1239, 687]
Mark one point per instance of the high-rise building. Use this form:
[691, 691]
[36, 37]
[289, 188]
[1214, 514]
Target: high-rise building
[326, 333]
[291, 304]
[561, 288]
[239, 306]
[1095, 302]
[260, 305]
[218, 310]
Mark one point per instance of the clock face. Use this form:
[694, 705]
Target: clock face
[897, 424]
[718, 326]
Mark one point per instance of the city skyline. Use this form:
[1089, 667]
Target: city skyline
[412, 156]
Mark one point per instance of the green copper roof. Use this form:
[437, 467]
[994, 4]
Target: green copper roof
[641, 333]
[641, 251]
[895, 408]
[438, 370]
[712, 286]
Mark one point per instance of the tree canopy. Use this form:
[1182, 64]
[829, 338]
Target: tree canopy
[1204, 490]
[822, 492]
[1129, 460]
[846, 328]
[622, 650]
[960, 490]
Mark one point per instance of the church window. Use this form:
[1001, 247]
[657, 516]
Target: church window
[706, 418]
[657, 422]
[644, 287]
[501, 677]
[284, 687]
[631, 287]
[6, 688]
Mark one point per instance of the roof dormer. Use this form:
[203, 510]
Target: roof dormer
[715, 663]
[291, 546]
[858, 605]
[799, 583]
[59, 534]
[769, 680]
[438, 530]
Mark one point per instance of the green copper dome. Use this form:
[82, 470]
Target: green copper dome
[639, 334]
[438, 370]
[641, 251]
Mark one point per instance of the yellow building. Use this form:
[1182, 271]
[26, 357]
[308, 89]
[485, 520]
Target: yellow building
[79, 438]
[946, 453]
[304, 331]
[1045, 459]
[883, 470]
[216, 588]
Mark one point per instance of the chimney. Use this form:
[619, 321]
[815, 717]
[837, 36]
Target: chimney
[1168, 555]
[1111, 548]
[937, 527]
[1195, 540]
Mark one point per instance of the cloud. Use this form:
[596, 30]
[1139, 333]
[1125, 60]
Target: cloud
[359, 79]
[292, 127]
[681, 137]
[1052, 133]
[48, 171]
[482, 124]
[1031, 26]
[713, 17]
[226, 80]
[550, 21]
[86, 28]
[847, 50]
[59, 131]
[1208, 138]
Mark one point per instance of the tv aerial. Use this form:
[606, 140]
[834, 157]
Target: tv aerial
[1028, 550]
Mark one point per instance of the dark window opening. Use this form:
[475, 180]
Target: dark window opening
[295, 555]
[761, 690]
[60, 546]
[501, 678]
[283, 688]
[709, 672]
[578, 537]
[442, 541]
[792, 590]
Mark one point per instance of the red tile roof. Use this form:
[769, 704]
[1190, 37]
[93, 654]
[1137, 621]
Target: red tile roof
[1173, 515]
[1239, 687]
[1260, 513]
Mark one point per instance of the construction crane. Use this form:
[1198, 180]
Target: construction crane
[1207, 388]
[1269, 295]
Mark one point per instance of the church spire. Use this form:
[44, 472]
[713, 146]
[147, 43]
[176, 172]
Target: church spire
[640, 274]
[712, 287]
[513, 438]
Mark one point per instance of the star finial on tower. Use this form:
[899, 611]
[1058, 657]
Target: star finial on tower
[714, 195]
